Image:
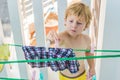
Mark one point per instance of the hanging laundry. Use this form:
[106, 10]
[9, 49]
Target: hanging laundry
[4, 54]
[32, 52]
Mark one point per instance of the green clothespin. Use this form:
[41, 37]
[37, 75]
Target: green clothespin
[41, 76]
[94, 77]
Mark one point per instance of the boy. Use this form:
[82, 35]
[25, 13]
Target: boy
[77, 19]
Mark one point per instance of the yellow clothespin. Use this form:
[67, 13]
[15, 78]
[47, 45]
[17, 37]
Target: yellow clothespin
[4, 53]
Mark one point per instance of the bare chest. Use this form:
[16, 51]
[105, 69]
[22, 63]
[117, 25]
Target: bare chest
[75, 44]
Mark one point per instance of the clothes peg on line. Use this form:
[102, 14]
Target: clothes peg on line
[47, 44]
[41, 76]
[4, 53]
[94, 77]
[33, 75]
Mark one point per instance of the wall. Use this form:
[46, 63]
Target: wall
[109, 69]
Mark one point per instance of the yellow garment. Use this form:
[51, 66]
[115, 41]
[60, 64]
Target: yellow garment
[82, 77]
[4, 54]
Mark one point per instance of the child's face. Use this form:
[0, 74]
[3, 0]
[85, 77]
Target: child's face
[75, 26]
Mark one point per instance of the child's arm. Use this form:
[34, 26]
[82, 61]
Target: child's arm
[91, 73]
[91, 62]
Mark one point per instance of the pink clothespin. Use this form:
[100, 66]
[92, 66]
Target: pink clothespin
[33, 75]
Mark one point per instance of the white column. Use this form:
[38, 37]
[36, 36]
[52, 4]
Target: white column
[61, 10]
[100, 36]
[110, 68]
[39, 29]
[15, 22]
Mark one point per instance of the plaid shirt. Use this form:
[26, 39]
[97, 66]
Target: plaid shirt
[34, 53]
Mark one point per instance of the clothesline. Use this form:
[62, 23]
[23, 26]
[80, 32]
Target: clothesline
[60, 59]
[11, 79]
[79, 50]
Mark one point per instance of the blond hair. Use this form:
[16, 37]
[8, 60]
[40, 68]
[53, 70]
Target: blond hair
[80, 10]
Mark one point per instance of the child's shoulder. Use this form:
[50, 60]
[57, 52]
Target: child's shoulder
[62, 34]
[86, 38]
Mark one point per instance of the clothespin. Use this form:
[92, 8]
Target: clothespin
[47, 44]
[33, 75]
[94, 77]
[41, 76]
[4, 53]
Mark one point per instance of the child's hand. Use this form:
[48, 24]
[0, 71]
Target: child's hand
[90, 74]
[92, 77]
[52, 36]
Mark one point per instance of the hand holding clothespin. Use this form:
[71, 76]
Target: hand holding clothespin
[52, 37]
[48, 44]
